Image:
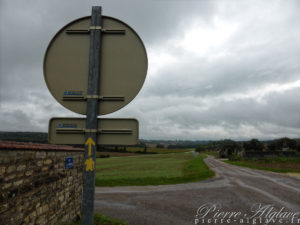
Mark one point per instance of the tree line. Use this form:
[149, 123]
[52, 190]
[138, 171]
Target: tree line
[253, 145]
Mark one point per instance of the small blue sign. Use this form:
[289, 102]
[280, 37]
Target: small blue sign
[73, 93]
[66, 125]
[69, 162]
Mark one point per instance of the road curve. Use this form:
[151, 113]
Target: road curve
[237, 195]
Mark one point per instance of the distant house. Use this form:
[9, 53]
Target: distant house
[150, 145]
[285, 147]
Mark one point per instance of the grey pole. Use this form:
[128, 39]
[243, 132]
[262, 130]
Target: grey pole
[91, 118]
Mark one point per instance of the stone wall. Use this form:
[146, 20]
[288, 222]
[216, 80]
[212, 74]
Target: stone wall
[36, 188]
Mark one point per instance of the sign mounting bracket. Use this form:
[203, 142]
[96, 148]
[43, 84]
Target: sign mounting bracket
[98, 97]
[88, 31]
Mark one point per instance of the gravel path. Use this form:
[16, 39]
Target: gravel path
[239, 191]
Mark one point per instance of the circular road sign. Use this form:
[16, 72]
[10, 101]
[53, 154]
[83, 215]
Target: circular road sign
[123, 66]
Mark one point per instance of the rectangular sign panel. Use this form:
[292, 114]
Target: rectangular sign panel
[69, 162]
[110, 131]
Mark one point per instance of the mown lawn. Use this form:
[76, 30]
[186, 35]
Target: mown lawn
[151, 170]
[276, 164]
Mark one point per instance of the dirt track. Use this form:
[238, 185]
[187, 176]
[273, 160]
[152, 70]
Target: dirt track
[234, 189]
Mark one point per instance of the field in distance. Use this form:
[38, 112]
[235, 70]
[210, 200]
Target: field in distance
[131, 151]
[275, 164]
[160, 150]
[151, 169]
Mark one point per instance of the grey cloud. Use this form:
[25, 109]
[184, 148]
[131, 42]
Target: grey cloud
[10, 120]
[182, 100]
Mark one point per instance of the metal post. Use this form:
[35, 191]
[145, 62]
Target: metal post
[91, 119]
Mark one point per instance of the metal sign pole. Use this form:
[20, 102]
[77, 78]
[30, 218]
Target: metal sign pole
[91, 118]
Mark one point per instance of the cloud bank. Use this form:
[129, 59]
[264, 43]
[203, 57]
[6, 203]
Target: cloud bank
[216, 69]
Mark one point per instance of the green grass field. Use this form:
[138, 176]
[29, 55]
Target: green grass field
[151, 169]
[276, 164]
[160, 150]
[130, 151]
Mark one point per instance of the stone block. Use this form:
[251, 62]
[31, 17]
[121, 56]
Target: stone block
[11, 168]
[61, 198]
[21, 167]
[29, 172]
[41, 220]
[10, 177]
[33, 215]
[39, 163]
[3, 208]
[47, 162]
[40, 154]
[26, 219]
[21, 174]
[6, 185]
[2, 170]
[44, 168]
[18, 182]
[45, 208]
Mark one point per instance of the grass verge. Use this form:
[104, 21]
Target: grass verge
[100, 219]
[276, 164]
[151, 170]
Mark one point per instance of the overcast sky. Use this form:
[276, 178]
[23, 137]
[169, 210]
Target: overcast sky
[217, 69]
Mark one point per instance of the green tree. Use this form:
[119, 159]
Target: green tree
[272, 146]
[229, 147]
[285, 143]
[200, 148]
[253, 145]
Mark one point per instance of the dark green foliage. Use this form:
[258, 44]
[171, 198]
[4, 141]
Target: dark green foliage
[200, 148]
[253, 145]
[286, 143]
[283, 144]
[228, 147]
[272, 146]
[36, 137]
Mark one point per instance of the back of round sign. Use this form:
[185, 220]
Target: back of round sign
[123, 66]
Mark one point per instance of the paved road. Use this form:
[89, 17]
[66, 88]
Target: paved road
[241, 192]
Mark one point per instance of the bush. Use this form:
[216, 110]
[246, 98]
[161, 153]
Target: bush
[234, 157]
[253, 145]
[200, 148]
[103, 156]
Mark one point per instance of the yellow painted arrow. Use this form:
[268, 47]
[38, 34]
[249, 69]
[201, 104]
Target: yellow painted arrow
[90, 142]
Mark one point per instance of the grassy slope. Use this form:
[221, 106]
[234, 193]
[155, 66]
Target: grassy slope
[278, 164]
[151, 170]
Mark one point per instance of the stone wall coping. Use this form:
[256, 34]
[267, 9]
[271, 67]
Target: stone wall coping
[12, 145]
